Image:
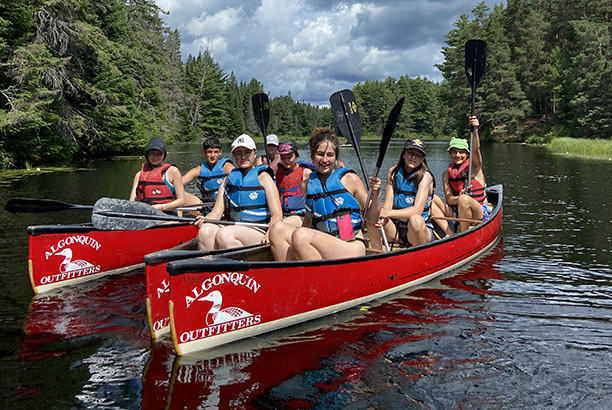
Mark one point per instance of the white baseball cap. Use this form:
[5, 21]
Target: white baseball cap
[243, 141]
[272, 139]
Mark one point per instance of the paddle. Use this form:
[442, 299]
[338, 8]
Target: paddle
[386, 137]
[345, 110]
[40, 205]
[475, 62]
[119, 214]
[261, 111]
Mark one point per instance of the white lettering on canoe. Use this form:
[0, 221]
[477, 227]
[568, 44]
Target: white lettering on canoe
[72, 240]
[161, 323]
[221, 328]
[164, 289]
[73, 274]
[234, 278]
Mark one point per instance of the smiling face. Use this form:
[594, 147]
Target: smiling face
[324, 158]
[244, 157]
[413, 158]
[212, 155]
[155, 157]
[458, 156]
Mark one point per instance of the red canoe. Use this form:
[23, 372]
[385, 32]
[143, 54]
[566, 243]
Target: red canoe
[239, 294]
[63, 255]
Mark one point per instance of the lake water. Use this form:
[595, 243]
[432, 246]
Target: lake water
[526, 326]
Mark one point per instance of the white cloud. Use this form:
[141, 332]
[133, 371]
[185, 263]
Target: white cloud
[313, 48]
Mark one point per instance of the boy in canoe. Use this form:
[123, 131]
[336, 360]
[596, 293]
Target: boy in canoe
[290, 175]
[157, 183]
[466, 203]
[408, 199]
[271, 152]
[248, 194]
[209, 174]
[332, 226]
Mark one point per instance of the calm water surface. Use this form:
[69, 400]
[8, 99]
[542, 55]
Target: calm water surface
[526, 326]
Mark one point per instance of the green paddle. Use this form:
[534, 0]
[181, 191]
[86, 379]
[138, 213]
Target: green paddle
[118, 214]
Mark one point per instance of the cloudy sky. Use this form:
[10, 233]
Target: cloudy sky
[314, 48]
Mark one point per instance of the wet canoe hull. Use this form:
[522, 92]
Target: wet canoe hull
[217, 300]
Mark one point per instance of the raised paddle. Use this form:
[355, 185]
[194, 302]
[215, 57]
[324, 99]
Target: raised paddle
[475, 62]
[347, 117]
[119, 214]
[261, 111]
[40, 205]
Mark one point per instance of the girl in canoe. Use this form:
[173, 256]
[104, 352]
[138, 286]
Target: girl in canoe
[408, 199]
[332, 226]
[157, 183]
[290, 175]
[248, 194]
[462, 202]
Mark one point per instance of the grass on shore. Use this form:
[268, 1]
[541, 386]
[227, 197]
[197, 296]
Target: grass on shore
[597, 148]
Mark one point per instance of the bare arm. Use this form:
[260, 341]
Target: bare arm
[227, 167]
[448, 193]
[355, 186]
[173, 175]
[192, 174]
[134, 186]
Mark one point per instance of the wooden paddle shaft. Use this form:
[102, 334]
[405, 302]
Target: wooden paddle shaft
[449, 218]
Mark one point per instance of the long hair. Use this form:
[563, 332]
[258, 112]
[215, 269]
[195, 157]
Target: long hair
[416, 175]
[320, 135]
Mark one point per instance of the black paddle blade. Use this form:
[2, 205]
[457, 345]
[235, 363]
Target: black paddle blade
[475, 61]
[261, 111]
[40, 205]
[347, 117]
[388, 131]
[112, 214]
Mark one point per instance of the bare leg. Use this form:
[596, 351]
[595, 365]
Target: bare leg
[310, 244]
[294, 220]
[440, 208]
[280, 241]
[235, 236]
[206, 236]
[468, 208]
[418, 234]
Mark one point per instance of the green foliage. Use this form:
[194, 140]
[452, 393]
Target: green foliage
[580, 146]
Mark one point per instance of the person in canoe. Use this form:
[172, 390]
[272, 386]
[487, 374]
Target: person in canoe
[332, 226]
[157, 183]
[408, 199]
[209, 174]
[460, 201]
[290, 175]
[272, 152]
[248, 194]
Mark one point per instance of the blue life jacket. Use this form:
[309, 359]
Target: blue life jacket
[324, 203]
[209, 180]
[404, 195]
[245, 197]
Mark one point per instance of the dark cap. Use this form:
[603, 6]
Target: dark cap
[287, 147]
[416, 143]
[156, 143]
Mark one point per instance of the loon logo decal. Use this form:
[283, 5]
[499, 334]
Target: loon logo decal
[339, 201]
[253, 195]
[156, 192]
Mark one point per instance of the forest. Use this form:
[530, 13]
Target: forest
[84, 79]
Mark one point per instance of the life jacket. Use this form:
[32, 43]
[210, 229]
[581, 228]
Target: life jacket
[404, 195]
[289, 187]
[457, 178]
[325, 202]
[153, 188]
[209, 180]
[245, 197]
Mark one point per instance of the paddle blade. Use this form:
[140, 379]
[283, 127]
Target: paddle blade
[388, 131]
[107, 215]
[39, 205]
[261, 111]
[347, 117]
[475, 61]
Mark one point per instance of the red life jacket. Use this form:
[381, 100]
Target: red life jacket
[457, 178]
[289, 188]
[152, 187]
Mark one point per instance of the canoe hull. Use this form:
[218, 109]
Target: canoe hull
[218, 300]
[62, 255]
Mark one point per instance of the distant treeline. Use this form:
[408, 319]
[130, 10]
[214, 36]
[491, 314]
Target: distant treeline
[94, 78]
